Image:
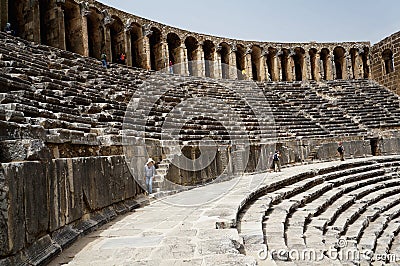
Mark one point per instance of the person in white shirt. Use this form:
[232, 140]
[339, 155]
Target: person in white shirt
[149, 173]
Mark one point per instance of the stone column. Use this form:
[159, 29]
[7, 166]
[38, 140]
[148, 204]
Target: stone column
[183, 60]
[128, 44]
[274, 65]
[330, 67]
[107, 21]
[36, 33]
[359, 64]
[366, 66]
[248, 64]
[216, 71]
[165, 56]
[59, 14]
[145, 52]
[200, 66]
[279, 65]
[317, 64]
[107, 42]
[306, 67]
[355, 72]
[85, 12]
[232, 62]
[4, 13]
[263, 66]
[290, 71]
[322, 69]
[347, 66]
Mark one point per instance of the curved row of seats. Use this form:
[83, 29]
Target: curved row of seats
[356, 204]
[59, 91]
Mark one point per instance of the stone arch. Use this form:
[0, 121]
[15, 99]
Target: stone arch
[240, 60]
[208, 48]
[314, 63]
[174, 50]
[285, 64]
[45, 8]
[271, 63]
[387, 58]
[136, 35]
[73, 27]
[117, 38]
[339, 59]
[325, 63]
[299, 63]
[256, 58]
[96, 40]
[191, 45]
[225, 51]
[155, 49]
[16, 11]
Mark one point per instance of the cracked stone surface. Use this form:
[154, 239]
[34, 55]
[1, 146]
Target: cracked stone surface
[168, 233]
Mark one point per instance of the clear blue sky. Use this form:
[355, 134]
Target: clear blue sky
[277, 20]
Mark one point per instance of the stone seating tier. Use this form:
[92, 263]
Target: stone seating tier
[359, 204]
[40, 82]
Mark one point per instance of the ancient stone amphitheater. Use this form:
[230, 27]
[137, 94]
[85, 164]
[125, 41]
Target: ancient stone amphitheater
[73, 143]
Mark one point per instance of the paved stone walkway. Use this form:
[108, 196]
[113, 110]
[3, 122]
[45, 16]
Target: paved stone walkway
[182, 229]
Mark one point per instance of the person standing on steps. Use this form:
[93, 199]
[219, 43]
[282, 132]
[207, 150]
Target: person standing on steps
[171, 70]
[243, 74]
[340, 150]
[8, 29]
[122, 58]
[103, 59]
[149, 173]
[276, 161]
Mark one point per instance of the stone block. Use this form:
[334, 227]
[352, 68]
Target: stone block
[12, 131]
[26, 149]
[217, 246]
[65, 236]
[84, 227]
[36, 198]
[120, 208]
[109, 213]
[16, 260]
[42, 251]
[95, 181]
[68, 201]
[12, 219]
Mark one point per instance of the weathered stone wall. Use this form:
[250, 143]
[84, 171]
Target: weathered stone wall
[229, 162]
[58, 180]
[389, 78]
[38, 198]
[24, 28]
[389, 146]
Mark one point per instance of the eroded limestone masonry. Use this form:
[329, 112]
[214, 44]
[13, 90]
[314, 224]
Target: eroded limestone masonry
[385, 62]
[90, 28]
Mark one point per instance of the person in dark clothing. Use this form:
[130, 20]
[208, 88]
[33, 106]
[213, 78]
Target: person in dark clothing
[340, 150]
[276, 161]
[103, 59]
[8, 29]
[122, 58]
